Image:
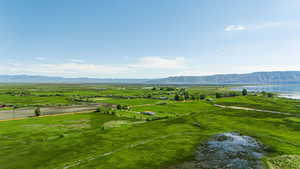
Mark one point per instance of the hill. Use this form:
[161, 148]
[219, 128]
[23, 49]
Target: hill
[276, 77]
[48, 79]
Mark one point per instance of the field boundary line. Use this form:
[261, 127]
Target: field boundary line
[253, 109]
[48, 115]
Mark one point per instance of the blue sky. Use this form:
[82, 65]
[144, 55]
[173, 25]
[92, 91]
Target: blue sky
[148, 39]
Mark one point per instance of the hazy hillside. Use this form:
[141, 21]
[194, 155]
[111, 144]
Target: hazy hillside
[47, 79]
[251, 78]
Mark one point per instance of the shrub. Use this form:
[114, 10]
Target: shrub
[232, 94]
[113, 112]
[202, 97]
[119, 107]
[176, 97]
[106, 110]
[102, 110]
[161, 103]
[149, 95]
[218, 95]
[186, 95]
[270, 95]
[37, 111]
[193, 97]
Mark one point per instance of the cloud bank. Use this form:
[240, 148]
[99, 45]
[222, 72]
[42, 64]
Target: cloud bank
[149, 67]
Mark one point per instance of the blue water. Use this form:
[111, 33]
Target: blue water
[289, 91]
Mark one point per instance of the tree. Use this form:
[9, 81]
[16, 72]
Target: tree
[37, 111]
[106, 110]
[125, 107]
[102, 109]
[176, 97]
[218, 95]
[233, 94]
[119, 106]
[149, 95]
[186, 95]
[113, 112]
[181, 98]
[182, 91]
[270, 95]
[245, 92]
[202, 97]
[264, 93]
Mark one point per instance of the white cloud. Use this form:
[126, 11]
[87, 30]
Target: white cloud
[148, 67]
[159, 63]
[145, 67]
[67, 69]
[254, 27]
[235, 28]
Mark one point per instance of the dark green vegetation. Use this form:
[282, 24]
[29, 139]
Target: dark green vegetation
[123, 137]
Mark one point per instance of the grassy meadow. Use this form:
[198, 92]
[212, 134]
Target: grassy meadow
[125, 138]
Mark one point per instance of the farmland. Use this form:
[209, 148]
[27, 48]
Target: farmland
[119, 136]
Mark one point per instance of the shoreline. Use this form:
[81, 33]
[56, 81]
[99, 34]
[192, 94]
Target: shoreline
[289, 96]
[281, 90]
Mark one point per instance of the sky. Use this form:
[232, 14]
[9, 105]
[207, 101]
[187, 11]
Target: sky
[148, 38]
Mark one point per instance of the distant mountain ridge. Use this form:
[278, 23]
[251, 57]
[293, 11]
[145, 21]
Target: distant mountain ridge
[51, 79]
[276, 77]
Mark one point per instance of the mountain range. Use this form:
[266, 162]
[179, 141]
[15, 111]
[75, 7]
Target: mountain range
[275, 77]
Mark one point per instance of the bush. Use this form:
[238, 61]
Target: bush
[270, 95]
[106, 110]
[37, 111]
[202, 97]
[176, 97]
[193, 97]
[149, 95]
[161, 103]
[186, 95]
[219, 95]
[119, 107]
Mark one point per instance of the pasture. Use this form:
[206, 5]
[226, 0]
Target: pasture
[127, 139]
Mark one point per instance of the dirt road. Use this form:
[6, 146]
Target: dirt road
[29, 112]
[252, 109]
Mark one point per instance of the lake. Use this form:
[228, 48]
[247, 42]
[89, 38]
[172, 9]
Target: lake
[289, 91]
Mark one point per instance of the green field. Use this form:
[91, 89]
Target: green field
[127, 139]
